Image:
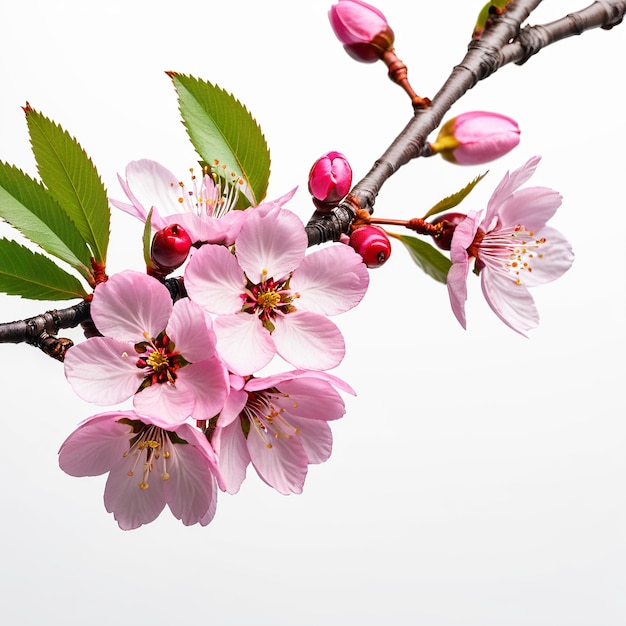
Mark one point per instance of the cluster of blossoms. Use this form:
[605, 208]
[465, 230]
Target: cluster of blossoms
[201, 411]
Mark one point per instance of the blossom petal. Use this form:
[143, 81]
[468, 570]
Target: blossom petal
[168, 405]
[281, 462]
[243, 343]
[191, 489]
[509, 183]
[131, 305]
[208, 381]
[96, 445]
[456, 281]
[316, 438]
[308, 340]
[330, 281]
[531, 207]
[510, 301]
[131, 505]
[271, 244]
[232, 450]
[234, 404]
[191, 330]
[310, 398]
[555, 258]
[102, 370]
[214, 280]
[208, 229]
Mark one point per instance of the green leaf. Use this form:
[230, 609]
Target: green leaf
[427, 257]
[72, 179]
[455, 199]
[147, 239]
[224, 134]
[34, 276]
[28, 207]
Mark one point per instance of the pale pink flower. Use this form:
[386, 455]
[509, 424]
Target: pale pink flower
[204, 208]
[270, 298]
[148, 467]
[161, 354]
[279, 424]
[513, 250]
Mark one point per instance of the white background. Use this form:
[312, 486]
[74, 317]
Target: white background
[479, 477]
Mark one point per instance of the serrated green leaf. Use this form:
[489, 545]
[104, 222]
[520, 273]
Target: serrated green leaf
[72, 179]
[455, 199]
[32, 275]
[427, 257]
[224, 134]
[29, 208]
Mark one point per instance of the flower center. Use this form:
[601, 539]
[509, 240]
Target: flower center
[264, 415]
[268, 299]
[159, 360]
[512, 250]
[150, 450]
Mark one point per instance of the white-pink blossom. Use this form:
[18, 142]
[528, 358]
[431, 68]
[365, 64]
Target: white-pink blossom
[513, 250]
[271, 297]
[161, 354]
[148, 467]
[279, 424]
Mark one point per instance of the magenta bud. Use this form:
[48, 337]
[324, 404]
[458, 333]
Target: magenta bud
[448, 222]
[362, 29]
[330, 179]
[170, 248]
[476, 137]
[372, 243]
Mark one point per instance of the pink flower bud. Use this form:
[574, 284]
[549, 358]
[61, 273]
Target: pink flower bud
[476, 137]
[170, 249]
[330, 179]
[372, 243]
[362, 29]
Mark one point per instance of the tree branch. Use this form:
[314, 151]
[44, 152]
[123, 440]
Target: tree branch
[502, 43]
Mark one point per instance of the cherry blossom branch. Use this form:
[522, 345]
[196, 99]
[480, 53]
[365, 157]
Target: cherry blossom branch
[41, 330]
[503, 43]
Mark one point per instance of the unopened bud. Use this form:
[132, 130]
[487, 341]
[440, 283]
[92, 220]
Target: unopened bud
[330, 179]
[170, 248]
[372, 243]
[447, 223]
[476, 137]
[362, 29]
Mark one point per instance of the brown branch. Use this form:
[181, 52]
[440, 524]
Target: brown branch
[502, 43]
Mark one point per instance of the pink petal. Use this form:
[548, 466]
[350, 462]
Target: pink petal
[330, 281]
[509, 183]
[552, 260]
[280, 462]
[456, 281]
[311, 398]
[131, 505]
[316, 438]
[214, 280]
[96, 445]
[208, 382]
[531, 207]
[190, 328]
[232, 450]
[191, 489]
[102, 370]
[243, 343]
[131, 305]
[276, 380]
[168, 405]
[153, 185]
[207, 229]
[233, 406]
[271, 245]
[511, 302]
[308, 340]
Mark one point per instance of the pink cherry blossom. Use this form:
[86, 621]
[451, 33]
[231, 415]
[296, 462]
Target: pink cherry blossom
[279, 424]
[204, 209]
[270, 298]
[148, 467]
[513, 250]
[160, 354]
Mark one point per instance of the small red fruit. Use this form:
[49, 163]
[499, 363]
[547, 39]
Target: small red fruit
[170, 248]
[448, 221]
[372, 243]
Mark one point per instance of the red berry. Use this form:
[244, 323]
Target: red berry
[448, 221]
[372, 243]
[170, 248]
